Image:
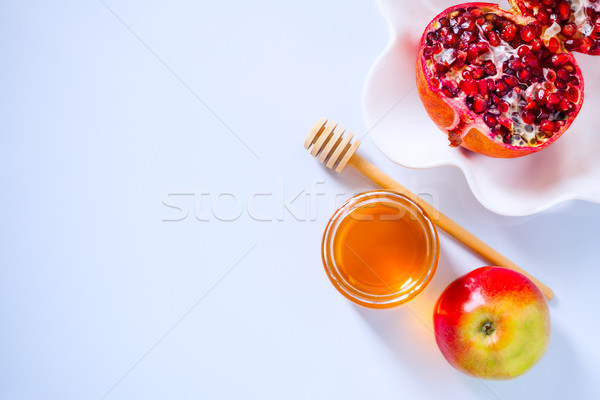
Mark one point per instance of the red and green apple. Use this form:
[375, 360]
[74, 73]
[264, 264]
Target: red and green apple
[492, 323]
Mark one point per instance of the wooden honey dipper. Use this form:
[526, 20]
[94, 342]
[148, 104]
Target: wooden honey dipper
[334, 148]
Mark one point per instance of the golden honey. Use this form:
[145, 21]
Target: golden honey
[380, 249]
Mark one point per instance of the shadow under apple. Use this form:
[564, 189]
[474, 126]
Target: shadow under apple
[407, 330]
[558, 375]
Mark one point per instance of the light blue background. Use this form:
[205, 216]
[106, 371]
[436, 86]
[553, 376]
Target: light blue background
[115, 117]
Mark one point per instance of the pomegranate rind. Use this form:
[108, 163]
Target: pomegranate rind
[439, 111]
[463, 126]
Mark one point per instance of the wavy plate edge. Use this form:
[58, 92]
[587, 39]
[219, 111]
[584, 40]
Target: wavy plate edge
[370, 122]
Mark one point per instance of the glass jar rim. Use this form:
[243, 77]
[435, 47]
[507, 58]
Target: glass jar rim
[397, 200]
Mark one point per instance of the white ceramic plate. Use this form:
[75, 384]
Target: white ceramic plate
[401, 129]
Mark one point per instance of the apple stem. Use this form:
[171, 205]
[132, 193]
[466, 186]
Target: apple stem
[487, 328]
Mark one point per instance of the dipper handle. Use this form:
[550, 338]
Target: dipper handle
[332, 145]
[471, 241]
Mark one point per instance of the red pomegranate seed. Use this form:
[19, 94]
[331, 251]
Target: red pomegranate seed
[479, 104]
[547, 126]
[558, 60]
[515, 64]
[456, 13]
[562, 74]
[564, 10]
[468, 87]
[490, 120]
[446, 91]
[437, 48]
[573, 94]
[469, 37]
[491, 18]
[472, 52]
[503, 107]
[450, 40]
[494, 39]
[571, 44]
[507, 123]
[501, 87]
[530, 105]
[537, 44]
[490, 68]
[564, 104]
[431, 36]
[483, 47]
[502, 131]
[541, 96]
[511, 81]
[476, 12]
[543, 17]
[444, 22]
[478, 72]
[574, 81]
[528, 33]
[530, 60]
[528, 117]
[467, 75]
[570, 68]
[464, 40]
[553, 101]
[441, 68]
[508, 32]
[550, 75]
[569, 29]
[468, 25]
[487, 27]
[547, 3]
[482, 87]
[586, 44]
[523, 50]
[460, 60]
[553, 45]
[452, 88]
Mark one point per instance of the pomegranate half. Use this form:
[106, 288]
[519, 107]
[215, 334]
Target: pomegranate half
[497, 82]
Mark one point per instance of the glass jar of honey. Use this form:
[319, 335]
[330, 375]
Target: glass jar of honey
[380, 249]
